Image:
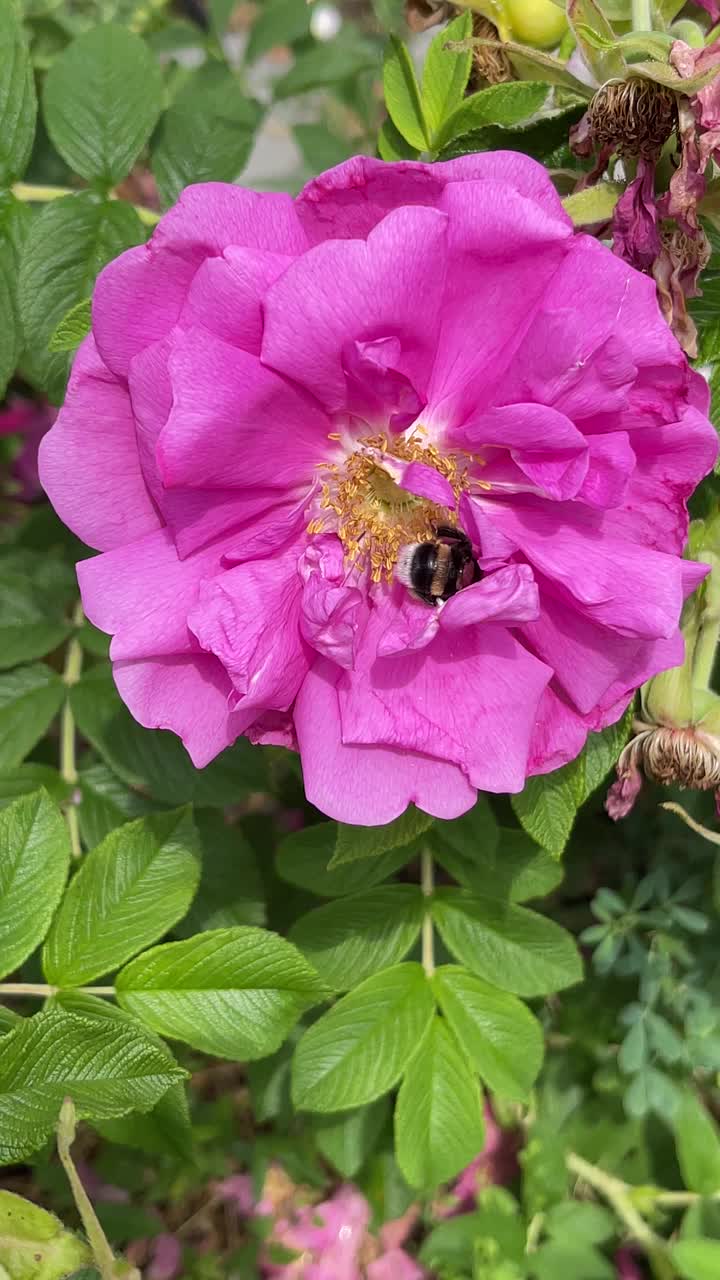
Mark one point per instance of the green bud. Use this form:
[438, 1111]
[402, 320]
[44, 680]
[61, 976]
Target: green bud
[34, 1245]
[691, 32]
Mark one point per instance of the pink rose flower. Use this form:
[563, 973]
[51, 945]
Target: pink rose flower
[281, 399]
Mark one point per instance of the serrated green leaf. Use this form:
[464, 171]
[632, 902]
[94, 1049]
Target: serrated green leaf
[445, 74]
[34, 1245]
[697, 1141]
[509, 946]
[74, 326]
[697, 1259]
[599, 756]
[27, 778]
[344, 58]
[402, 95]
[438, 1116]
[347, 1140]
[368, 842]
[30, 697]
[31, 624]
[546, 808]
[101, 101]
[206, 134]
[166, 1128]
[235, 993]
[348, 940]
[500, 104]
[106, 1069]
[359, 1048]
[230, 890]
[34, 861]
[128, 892]
[498, 1033]
[506, 865]
[305, 858]
[106, 803]
[154, 760]
[15, 218]
[69, 242]
[18, 106]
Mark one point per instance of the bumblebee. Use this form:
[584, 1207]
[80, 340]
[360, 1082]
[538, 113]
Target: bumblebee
[434, 571]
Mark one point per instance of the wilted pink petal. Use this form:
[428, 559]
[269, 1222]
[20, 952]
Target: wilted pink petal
[281, 400]
[635, 222]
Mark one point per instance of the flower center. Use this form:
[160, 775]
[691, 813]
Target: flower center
[374, 516]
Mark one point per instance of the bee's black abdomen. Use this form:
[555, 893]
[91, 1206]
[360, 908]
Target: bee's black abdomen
[422, 571]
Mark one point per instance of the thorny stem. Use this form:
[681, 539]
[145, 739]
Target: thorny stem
[44, 989]
[712, 836]
[30, 193]
[617, 1194]
[68, 768]
[641, 15]
[427, 884]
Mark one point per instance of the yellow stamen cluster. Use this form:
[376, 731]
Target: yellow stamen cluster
[375, 517]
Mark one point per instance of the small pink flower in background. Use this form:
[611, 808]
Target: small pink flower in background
[281, 398]
[627, 1267]
[30, 419]
[165, 1258]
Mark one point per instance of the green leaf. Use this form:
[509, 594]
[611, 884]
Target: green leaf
[438, 1117]
[498, 1033]
[509, 946]
[101, 102]
[500, 104]
[497, 1230]
[305, 858]
[18, 107]
[445, 74]
[509, 866]
[206, 134]
[34, 1245]
[155, 761]
[349, 940]
[392, 146]
[69, 242]
[344, 58]
[106, 803]
[27, 778]
[599, 755]
[359, 1048]
[279, 22]
[697, 1259]
[235, 993]
[547, 806]
[164, 1130]
[580, 1223]
[402, 95]
[31, 623]
[698, 1145]
[15, 219]
[30, 697]
[230, 890]
[594, 204]
[600, 55]
[74, 326]
[368, 842]
[556, 1258]
[106, 1069]
[34, 861]
[128, 892]
[347, 1140]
